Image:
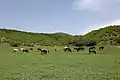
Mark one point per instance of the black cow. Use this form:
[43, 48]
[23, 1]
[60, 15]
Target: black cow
[55, 50]
[31, 49]
[93, 47]
[44, 51]
[79, 48]
[92, 50]
[67, 49]
[26, 50]
[38, 49]
[101, 48]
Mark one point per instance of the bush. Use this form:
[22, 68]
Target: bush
[15, 44]
[118, 39]
[91, 43]
[30, 45]
[84, 42]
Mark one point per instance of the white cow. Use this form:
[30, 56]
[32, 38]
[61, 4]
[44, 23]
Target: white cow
[65, 47]
[21, 49]
[15, 50]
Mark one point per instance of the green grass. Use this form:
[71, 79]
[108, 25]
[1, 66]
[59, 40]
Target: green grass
[60, 65]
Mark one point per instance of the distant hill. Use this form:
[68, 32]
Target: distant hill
[41, 38]
[108, 35]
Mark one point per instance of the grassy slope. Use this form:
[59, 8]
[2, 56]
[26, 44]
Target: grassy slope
[59, 65]
[42, 38]
[105, 34]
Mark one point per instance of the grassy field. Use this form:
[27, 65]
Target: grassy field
[60, 65]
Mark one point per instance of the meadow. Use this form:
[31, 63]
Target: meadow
[105, 65]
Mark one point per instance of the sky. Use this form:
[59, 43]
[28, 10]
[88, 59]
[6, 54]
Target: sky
[49, 16]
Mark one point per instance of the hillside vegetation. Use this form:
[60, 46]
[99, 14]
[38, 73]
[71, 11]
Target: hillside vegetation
[109, 35]
[10, 36]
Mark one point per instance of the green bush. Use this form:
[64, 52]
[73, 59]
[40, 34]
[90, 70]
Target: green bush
[30, 45]
[118, 39]
[15, 44]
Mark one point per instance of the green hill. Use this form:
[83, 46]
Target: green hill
[41, 38]
[108, 35]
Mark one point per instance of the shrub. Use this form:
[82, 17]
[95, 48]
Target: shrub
[30, 45]
[91, 43]
[15, 44]
[118, 39]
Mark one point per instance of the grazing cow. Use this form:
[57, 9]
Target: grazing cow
[44, 51]
[55, 50]
[82, 48]
[92, 47]
[15, 50]
[79, 48]
[67, 49]
[31, 49]
[101, 48]
[91, 50]
[76, 48]
[21, 49]
[25, 50]
[38, 49]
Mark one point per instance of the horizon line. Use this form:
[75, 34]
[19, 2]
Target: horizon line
[29, 31]
[41, 32]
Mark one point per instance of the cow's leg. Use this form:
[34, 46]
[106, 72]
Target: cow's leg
[42, 52]
[95, 52]
[89, 52]
[77, 50]
[13, 51]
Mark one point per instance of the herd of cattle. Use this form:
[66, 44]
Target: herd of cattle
[91, 49]
[65, 49]
[43, 51]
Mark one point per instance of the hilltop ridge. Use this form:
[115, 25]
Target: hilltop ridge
[108, 35]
